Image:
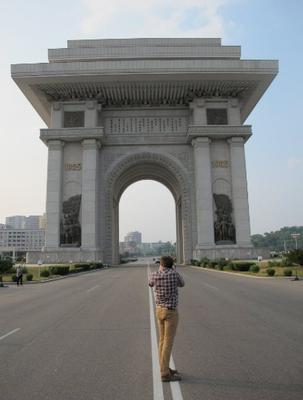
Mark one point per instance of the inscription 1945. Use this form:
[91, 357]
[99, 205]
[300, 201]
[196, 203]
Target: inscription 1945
[220, 164]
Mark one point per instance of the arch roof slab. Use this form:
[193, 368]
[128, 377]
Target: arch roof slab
[127, 72]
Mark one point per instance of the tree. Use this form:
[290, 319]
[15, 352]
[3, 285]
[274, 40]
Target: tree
[279, 240]
[295, 256]
[5, 265]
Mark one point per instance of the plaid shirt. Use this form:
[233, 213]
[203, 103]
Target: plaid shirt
[166, 285]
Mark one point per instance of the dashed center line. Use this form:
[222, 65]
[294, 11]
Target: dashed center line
[9, 333]
[92, 288]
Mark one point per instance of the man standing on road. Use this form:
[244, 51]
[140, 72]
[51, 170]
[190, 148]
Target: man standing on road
[19, 274]
[166, 282]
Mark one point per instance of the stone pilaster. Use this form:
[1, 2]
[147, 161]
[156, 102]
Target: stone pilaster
[204, 200]
[198, 112]
[234, 112]
[91, 114]
[239, 191]
[54, 194]
[56, 116]
[89, 194]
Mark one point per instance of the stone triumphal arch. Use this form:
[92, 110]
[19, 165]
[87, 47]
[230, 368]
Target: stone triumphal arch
[122, 110]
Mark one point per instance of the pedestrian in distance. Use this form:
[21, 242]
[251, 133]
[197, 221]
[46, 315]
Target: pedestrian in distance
[165, 282]
[19, 274]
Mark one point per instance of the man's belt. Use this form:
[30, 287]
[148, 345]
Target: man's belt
[167, 308]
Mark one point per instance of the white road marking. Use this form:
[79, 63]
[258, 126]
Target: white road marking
[93, 288]
[9, 333]
[174, 386]
[157, 384]
[209, 286]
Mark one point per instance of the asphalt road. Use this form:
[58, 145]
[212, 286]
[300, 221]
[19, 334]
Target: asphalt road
[89, 337]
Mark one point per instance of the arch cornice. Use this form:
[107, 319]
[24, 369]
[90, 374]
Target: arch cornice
[167, 162]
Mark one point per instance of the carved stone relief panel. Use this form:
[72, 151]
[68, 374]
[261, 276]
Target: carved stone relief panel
[224, 227]
[70, 227]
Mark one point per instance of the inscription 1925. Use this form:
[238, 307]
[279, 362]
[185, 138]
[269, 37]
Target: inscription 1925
[72, 167]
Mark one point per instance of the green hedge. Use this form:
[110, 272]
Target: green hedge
[59, 270]
[242, 266]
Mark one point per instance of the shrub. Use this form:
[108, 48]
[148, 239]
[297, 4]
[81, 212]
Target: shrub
[78, 267]
[194, 262]
[242, 266]
[270, 271]
[14, 278]
[59, 270]
[29, 277]
[212, 264]
[97, 265]
[228, 267]
[287, 272]
[204, 262]
[83, 267]
[45, 273]
[254, 268]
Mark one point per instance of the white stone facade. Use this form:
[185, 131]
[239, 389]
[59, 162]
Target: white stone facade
[119, 111]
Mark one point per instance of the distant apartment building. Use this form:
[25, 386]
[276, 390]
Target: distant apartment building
[22, 240]
[32, 222]
[22, 222]
[135, 237]
[42, 221]
[16, 221]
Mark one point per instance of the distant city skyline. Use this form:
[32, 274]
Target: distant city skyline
[273, 154]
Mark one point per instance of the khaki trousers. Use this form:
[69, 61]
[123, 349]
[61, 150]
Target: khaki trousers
[167, 323]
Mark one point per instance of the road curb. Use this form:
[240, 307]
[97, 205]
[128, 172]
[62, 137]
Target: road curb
[242, 275]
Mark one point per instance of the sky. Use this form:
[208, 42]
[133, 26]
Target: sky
[265, 29]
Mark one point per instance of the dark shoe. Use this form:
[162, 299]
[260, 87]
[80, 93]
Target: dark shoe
[171, 378]
[173, 371]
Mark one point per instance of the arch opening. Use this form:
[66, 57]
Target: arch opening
[144, 167]
[147, 210]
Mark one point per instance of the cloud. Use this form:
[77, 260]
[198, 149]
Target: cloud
[153, 18]
[294, 162]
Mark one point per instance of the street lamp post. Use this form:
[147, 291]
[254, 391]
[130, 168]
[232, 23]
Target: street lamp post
[295, 236]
